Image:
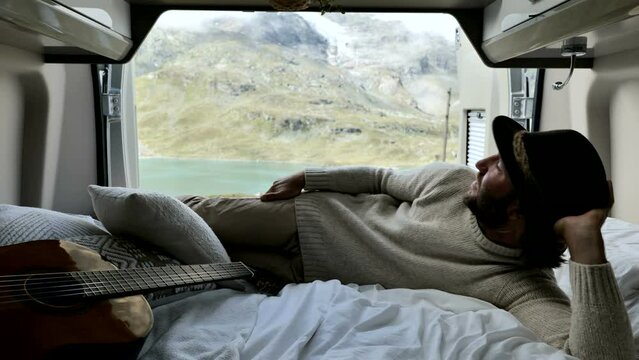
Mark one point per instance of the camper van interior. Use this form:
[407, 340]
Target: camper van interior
[113, 111]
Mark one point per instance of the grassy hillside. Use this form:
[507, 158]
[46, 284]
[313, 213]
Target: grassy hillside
[235, 97]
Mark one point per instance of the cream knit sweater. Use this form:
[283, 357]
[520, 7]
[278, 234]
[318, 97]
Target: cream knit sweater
[411, 229]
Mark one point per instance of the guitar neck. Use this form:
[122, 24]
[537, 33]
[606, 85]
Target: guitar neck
[111, 283]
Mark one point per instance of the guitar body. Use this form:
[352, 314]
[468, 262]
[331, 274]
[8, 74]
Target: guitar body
[38, 329]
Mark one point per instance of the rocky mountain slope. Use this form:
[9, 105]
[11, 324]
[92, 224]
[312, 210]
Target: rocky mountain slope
[279, 87]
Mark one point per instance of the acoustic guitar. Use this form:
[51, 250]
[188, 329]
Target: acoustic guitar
[60, 300]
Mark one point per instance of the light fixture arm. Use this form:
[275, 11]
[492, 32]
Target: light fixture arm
[558, 85]
[573, 47]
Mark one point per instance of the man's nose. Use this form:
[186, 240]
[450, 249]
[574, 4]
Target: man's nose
[483, 164]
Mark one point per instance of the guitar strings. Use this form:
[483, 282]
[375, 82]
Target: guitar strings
[134, 271]
[80, 289]
[232, 265]
[56, 275]
[19, 280]
[85, 289]
[133, 276]
[131, 273]
[95, 288]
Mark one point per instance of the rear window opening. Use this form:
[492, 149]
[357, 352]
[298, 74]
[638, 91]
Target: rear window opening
[227, 102]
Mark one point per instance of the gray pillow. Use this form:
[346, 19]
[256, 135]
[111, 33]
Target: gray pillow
[159, 220]
[20, 224]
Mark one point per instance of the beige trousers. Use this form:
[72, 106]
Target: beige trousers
[263, 235]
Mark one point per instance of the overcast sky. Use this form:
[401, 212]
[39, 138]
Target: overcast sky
[442, 24]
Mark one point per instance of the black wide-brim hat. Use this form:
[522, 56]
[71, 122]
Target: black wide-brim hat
[555, 173]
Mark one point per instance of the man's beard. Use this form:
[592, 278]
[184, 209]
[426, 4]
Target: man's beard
[489, 211]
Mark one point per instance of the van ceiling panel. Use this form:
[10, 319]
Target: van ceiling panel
[505, 33]
[113, 14]
[55, 28]
[570, 18]
[350, 4]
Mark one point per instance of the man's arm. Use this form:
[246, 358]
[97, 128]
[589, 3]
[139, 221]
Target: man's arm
[285, 188]
[594, 325]
[596, 297]
[350, 180]
[404, 185]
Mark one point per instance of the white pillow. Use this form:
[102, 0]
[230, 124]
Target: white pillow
[157, 219]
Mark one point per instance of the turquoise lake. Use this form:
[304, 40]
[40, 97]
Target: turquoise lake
[210, 177]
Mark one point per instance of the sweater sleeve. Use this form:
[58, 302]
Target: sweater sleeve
[597, 326]
[406, 185]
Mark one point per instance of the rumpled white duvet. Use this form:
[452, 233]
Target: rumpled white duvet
[329, 320]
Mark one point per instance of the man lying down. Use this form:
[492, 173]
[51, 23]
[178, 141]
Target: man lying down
[494, 235]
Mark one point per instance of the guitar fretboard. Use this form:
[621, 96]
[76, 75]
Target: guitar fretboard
[141, 280]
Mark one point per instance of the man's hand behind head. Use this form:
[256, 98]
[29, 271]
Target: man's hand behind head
[582, 234]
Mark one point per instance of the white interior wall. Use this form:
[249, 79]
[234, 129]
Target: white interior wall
[10, 137]
[55, 82]
[13, 63]
[574, 108]
[69, 162]
[76, 153]
[499, 105]
[47, 132]
[617, 80]
[480, 88]
[554, 112]
[603, 104]
[624, 129]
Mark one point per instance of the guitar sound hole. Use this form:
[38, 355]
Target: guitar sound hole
[60, 291]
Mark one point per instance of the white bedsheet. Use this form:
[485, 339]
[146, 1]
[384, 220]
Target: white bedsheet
[328, 320]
